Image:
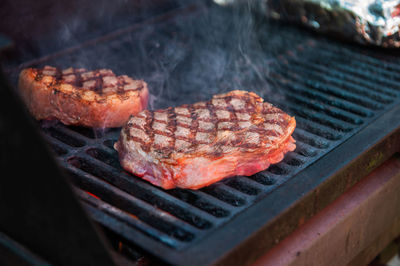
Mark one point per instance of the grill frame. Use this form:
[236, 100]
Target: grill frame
[262, 223]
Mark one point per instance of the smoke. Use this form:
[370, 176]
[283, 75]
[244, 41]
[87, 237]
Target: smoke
[186, 57]
[212, 52]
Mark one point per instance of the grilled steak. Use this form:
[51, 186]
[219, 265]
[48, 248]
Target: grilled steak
[80, 97]
[195, 145]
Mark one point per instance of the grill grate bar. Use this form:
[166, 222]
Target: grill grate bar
[310, 138]
[57, 144]
[226, 194]
[295, 159]
[147, 214]
[321, 119]
[203, 202]
[254, 183]
[210, 199]
[365, 92]
[234, 190]
[322, 96]
[125, 218]
[359, 73]
[317, 129]
[291, 166]
[265, 178]
[308, 101]
[109, 144]
[327, 71]
[109, 147]
[347, 119]
[279, 169]
[365, 63]
[333, 90]
[107, 156]
[72, 133]
[245, 185]
[156, 197]
[61, 136]
[305, 150]
[361, 55]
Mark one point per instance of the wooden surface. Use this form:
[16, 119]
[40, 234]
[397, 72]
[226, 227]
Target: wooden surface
[351, 230]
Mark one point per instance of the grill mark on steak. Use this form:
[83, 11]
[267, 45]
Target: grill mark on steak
[99, 83]
[234, 118]
[194, 125]
[172, 125]
[213, 117]
[83, 79]
[149, 131]
[226, 133]
[78, 78]
[58, 76]
[120, 85]
[39, 76]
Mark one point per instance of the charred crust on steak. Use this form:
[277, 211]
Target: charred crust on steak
[38, 75]
[226, 122]
[102, 82]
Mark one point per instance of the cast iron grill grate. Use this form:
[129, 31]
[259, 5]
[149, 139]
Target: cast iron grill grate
[331, 97]
[328, 110]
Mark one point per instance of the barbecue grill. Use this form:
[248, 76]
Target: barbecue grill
[345, 99]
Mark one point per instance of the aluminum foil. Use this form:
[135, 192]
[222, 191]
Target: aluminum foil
[374, 22]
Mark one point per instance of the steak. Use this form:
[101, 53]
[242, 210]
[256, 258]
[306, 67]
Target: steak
[195, 145]
[96, 98]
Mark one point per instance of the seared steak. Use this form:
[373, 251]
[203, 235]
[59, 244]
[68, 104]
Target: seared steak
[195, 145]
[80, 97]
